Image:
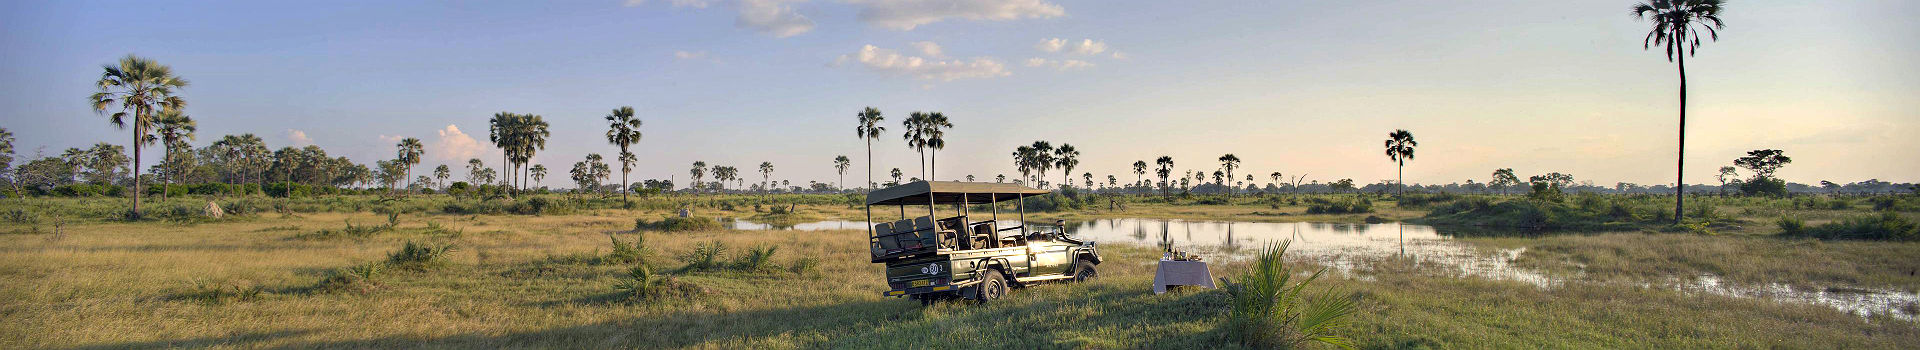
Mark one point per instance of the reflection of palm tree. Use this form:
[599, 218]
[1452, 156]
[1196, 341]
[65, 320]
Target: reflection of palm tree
[1677, 25]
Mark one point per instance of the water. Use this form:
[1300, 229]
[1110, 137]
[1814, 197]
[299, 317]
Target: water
[1344, 247]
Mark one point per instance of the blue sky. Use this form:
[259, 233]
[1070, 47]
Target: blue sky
[1289, 86]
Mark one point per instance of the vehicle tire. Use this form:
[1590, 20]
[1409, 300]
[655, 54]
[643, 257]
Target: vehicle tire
[1083, 270]
[992, 286]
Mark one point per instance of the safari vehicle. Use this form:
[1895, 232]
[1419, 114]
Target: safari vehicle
[969, 255]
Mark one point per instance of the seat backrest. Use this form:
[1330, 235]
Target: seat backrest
[923, 223]
[882, 228]
[903, 226]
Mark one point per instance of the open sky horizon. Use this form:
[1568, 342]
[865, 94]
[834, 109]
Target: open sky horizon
[1288, 86]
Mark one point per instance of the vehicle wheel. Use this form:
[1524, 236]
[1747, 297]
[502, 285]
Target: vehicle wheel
[992, 287]
[1083, 270]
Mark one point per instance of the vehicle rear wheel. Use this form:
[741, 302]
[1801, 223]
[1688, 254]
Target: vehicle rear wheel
[1083, 270]
[992, 286]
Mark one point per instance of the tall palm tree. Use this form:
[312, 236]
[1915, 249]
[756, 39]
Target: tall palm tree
[699, 171]
[174, 129]
[538, 172]
[1066, 157]
[1677, 25]
[896, 176]
[1229, 162]
[916, 136]
[869, 130]
[501, 130]
[1400, 145]
[623, 130]
[936, 125]
[766, 176]
[441, 173]
[409, 154]
[533, 135]
[141, 88]
[1042, 161]
[840, 164]
[1166, 169]
[1023, 161]
[1139, 170]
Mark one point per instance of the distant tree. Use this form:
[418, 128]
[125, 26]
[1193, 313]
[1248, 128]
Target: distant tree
[766, 174]
[1829, 185]
[1677, 25]
[538, 172]
[936, 125]
[1139, 170]
[441, 173]
[1002, 178]
[409, 154]
[1763, 162]
[1166, 169]
[623, 130]
[1726, 173]
[1112, 181]
[969, 177]
[1066, 157]
[840, 165]
[1400, 146]
[1276, 178]
[1229, 162]
[1342, 186]
[175, 129]
[7, 172]
[1023, 159]
[473, 172]
[869, 130]
[1089, 179]
[1503, 178]
[916, 136]
[699, 170]
[141, 88]
[896, 176]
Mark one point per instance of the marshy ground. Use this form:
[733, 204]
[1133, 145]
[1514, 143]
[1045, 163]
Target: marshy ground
[255, 280]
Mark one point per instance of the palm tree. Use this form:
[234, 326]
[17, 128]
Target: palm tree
[916, 136]
[409, 155]
[896, 176]
[869, 130]
[1726, 172]
[1023, 161]
[1139, 170]
[441, 173]
[539, 171]
[1229, 162]
[501, 130]
[141, 88]
[936, 124]
[1042, 161]
[840, 164]
[1400, 145]
[699, 171]
[532, 133]
[1166, 169]
[174, 129]
[1066, 158]
[623, 130]
[1276, 179]
[766, 176]
[1677, 25]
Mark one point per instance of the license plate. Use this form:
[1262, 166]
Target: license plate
[919, 283]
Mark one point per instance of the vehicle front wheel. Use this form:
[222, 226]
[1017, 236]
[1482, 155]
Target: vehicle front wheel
[992, 286]
[1083, 270]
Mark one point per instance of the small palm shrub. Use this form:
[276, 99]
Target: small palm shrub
[641, 283]
[221, 293]
[705, 256]
[419, 256]
[628, 253]
[757, 259]
[362, 279]
[804, 266]
[1270, 310]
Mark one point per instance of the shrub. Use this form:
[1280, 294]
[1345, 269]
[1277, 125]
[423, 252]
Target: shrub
[678, 224]
[1339, 206]
[1886, 226]
[419, 256]
[641, 283]
[1420, 200]
[1764, 187]
[628, 253]
[221, 293]
[539, 206]
[705, 256]
[1791, 225]
[21, 216]
[804, 265]
[1270, 310]
[757, 259]
[362, 278]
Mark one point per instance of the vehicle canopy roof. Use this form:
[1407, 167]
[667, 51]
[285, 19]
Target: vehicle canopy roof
[950, 192]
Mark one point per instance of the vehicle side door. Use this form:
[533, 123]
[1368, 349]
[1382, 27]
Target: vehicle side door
[1050, 257]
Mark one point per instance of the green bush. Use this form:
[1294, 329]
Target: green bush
[1270, 310]
[1421, 200]
[628, 253]
[1884, 227]
[678, 224]
[705, 256]
[1764, 187]
[362, 278]
[419, 256]
[1791, 225]
[757, 259]
[1339, 206]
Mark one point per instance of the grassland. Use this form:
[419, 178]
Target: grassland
[253, 280]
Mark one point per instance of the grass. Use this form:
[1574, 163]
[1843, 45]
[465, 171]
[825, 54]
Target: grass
[112, 283]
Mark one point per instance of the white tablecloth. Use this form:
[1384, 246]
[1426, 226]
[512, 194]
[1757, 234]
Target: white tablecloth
[1181, 273]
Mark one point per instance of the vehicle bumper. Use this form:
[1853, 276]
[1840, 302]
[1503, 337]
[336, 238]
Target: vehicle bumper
[945, 288]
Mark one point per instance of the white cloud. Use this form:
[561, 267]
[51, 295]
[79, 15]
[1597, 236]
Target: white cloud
[907, 14]
[928, 48]
[699, 4]
[1119, 56]
[299, 138]
[1083, 47]
[455, 145]
[892, 62]
[689, 55]
[772, 17]
[634, 3]
[391, 139]
[1058, 64]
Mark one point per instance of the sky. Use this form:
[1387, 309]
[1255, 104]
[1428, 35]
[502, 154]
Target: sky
[1297, 87]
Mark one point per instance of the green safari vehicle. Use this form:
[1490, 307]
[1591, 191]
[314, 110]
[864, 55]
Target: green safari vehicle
[969, 255]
